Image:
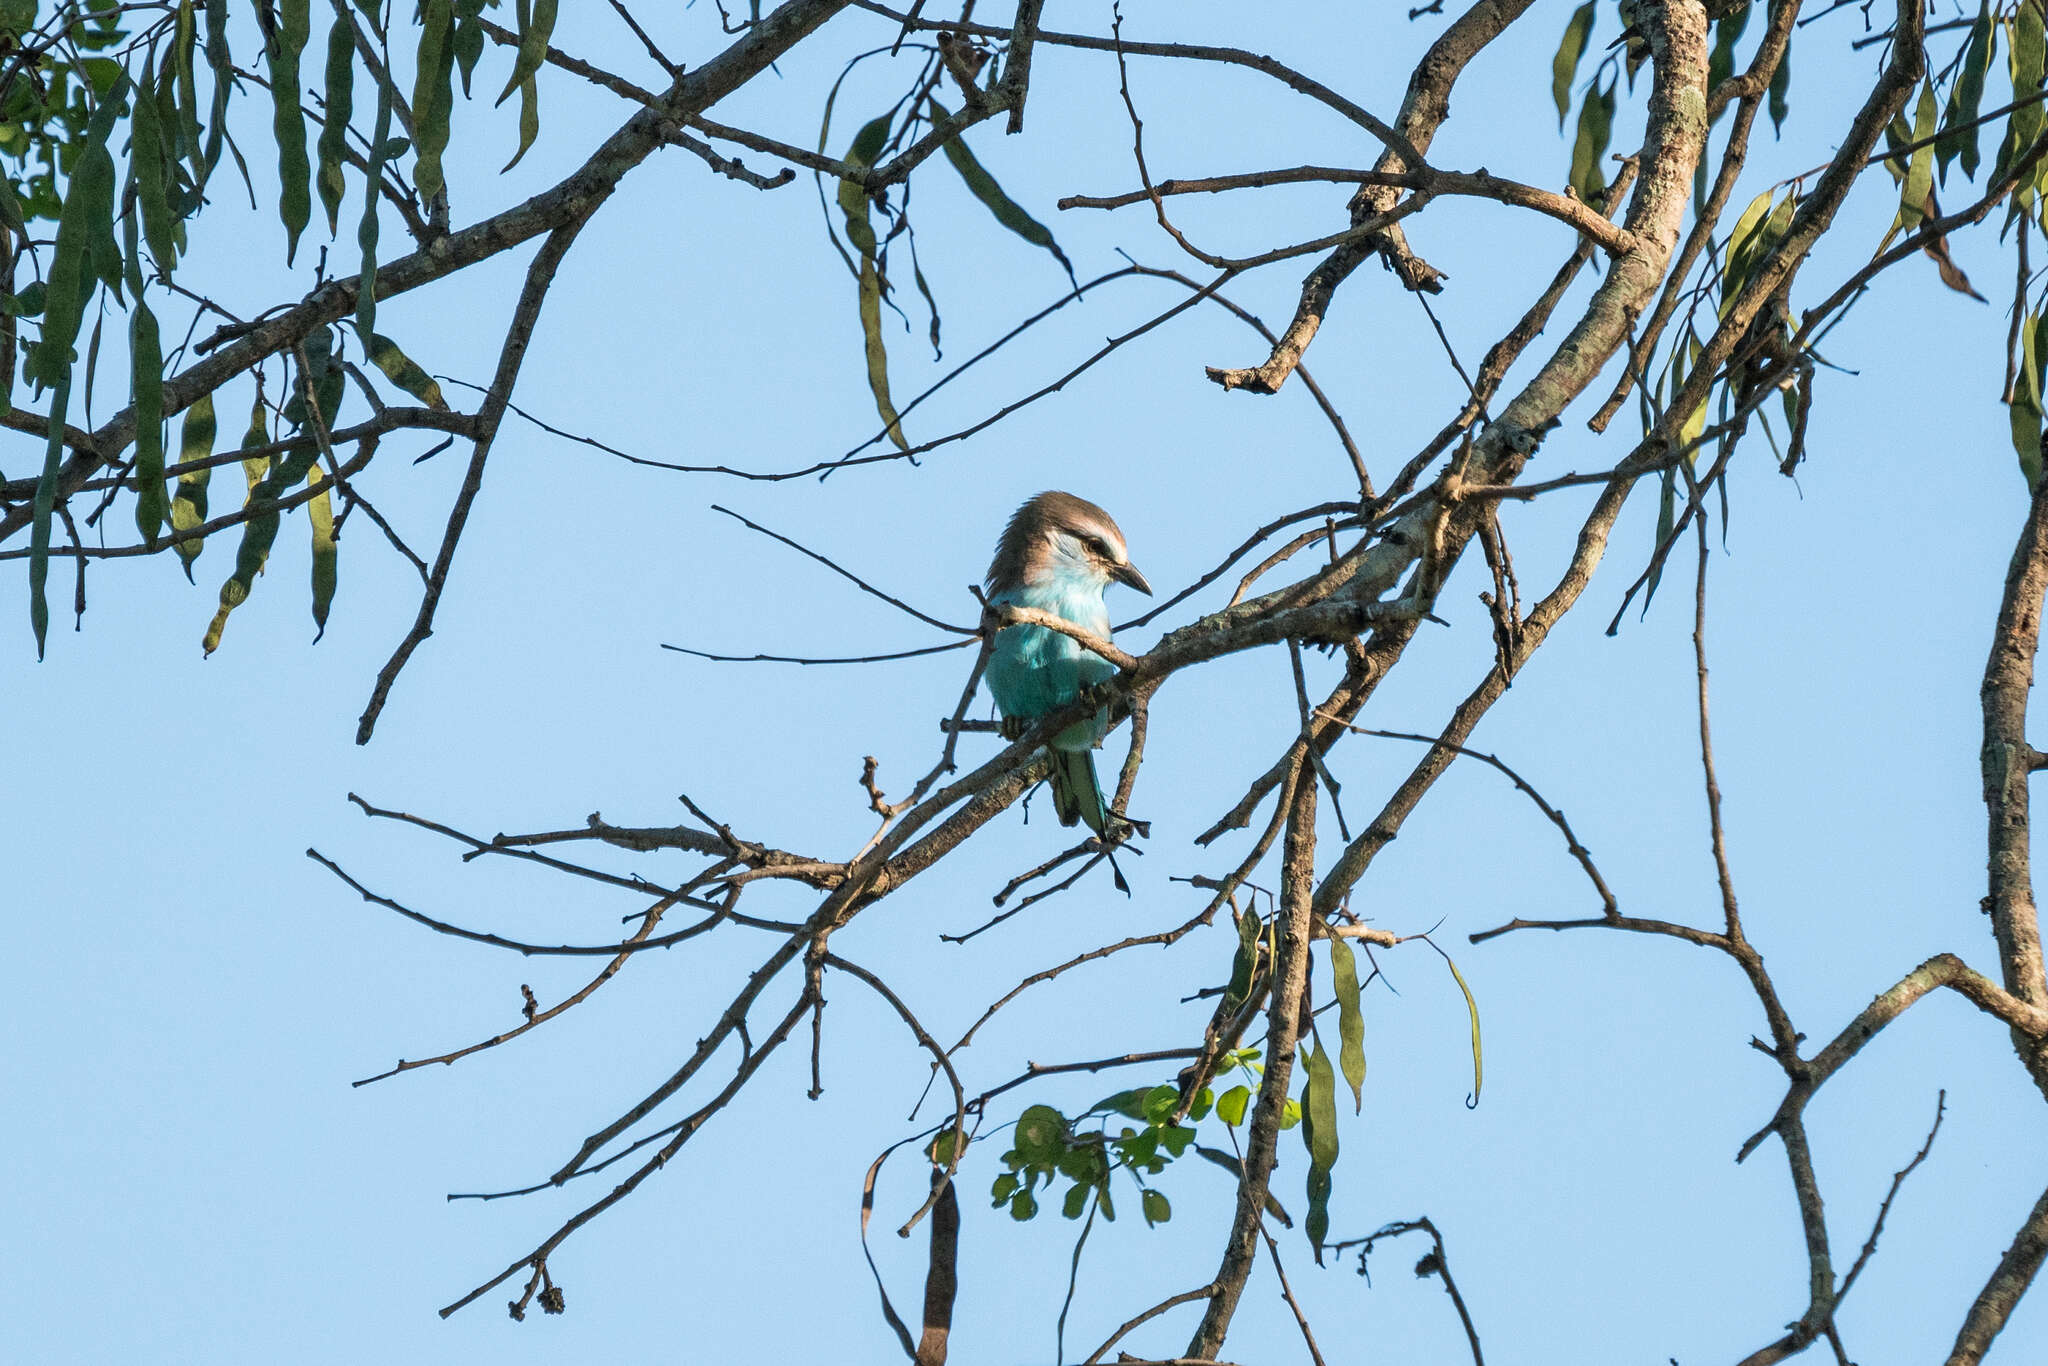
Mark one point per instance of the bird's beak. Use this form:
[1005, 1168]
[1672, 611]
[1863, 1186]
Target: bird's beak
[1128, 573]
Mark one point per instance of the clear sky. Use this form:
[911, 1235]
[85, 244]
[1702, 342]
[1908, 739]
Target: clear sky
[186, 996]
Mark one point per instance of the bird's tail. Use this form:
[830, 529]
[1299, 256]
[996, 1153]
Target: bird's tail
[1076, 796]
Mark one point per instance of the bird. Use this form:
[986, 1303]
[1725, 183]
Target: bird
[1059, 554]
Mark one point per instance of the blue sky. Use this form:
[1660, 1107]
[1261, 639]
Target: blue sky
[188, 996]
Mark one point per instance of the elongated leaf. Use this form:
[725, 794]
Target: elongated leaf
[1920, 170]
[1959, 131]
[147, 355]
[326, 551]
[1564, 67]
[535, 28]
[2023, 63]
[1743, 250]
[188, 504]
[402, 371]
[1596, 126]
[1007, 211]
[1350, 1021]
[1472, 1009]
[341, 91]
[288, 123]
[433, 95]
[2025, 411]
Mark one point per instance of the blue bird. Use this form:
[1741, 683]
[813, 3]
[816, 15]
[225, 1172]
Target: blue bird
[1059, 554]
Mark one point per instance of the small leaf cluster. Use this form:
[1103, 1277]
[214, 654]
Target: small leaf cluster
[1047, 1148]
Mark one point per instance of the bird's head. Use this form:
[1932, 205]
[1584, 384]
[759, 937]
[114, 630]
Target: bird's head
[1058, 534]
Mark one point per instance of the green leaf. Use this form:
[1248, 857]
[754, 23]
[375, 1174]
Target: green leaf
[1007, 211]
[1350, 1020]
[403, 371]
[2023, 62]
[1565, 65]
[1920, 170]
[1076, 1201]
[535, 28]
[1472, 1009]
[1231, 1104]
[1156, 1208]
[1596, 126]
[147, 356]
[2024, 413]
[1005, 1186]
[1130, 1104]
[1137, 1150]
[1022, 1206]
[1041, 1135]
[1160, 1103]
[1743, 248]
[288, 123]
[341, 85]
[326, 551]
[188, 504]
[1959, 130]
[433, 95]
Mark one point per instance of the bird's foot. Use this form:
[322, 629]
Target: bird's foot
[1013, 727]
